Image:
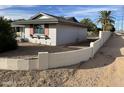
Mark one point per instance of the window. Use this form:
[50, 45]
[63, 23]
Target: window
[39, 29]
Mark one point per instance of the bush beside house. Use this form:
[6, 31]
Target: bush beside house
[7, 36]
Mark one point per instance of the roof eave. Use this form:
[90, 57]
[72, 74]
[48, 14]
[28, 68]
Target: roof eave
[72, 23]
[34, 22]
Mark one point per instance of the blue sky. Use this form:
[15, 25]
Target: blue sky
[78, 11]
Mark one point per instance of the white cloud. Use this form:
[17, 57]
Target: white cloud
[88, 11]
[18, 16]
[77, 11]
[10, 6]
[5, 6]
[14, 14]
[25, 5]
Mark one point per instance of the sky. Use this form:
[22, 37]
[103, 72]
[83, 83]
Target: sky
[78, 11]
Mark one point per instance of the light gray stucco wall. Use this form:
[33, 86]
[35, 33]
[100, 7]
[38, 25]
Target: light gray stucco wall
[52, 34]
[70, 34]
[27, 31]
[60, 34]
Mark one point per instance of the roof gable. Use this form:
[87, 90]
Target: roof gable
[48, 16]
[41, 16]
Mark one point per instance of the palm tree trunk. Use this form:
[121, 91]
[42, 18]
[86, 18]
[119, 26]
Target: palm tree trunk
[103, 27]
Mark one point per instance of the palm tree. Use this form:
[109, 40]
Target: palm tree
[106, 19]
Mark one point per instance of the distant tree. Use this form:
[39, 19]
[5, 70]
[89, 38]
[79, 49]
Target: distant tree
[89, 24]
[19, 20]
[106, 20]
[99, 29]
[7, 36]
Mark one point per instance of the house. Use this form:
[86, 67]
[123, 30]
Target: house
[51, 30]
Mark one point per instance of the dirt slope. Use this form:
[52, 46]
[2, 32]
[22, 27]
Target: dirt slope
[105, 69]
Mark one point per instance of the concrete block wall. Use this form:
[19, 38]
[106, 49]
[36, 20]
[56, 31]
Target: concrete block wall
[95, 46]
[18, 64]
[3, 63]
[51, 60]
[68, 58]
[43, 60]
[103, 37]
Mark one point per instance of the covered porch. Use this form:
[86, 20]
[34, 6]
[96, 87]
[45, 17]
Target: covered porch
[31, 31]
[41, 31]
[37, 31]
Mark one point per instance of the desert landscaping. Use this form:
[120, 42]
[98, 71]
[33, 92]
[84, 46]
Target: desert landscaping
[47, 50]
[30, 50]
[104, 69]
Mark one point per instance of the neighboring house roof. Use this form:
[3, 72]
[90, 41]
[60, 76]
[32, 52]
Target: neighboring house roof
[52, 20]
[71, 19]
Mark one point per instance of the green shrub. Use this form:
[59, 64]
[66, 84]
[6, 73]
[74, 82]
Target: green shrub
[7, 36]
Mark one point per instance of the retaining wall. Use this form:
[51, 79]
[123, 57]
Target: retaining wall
[51, 60]
[103, 37]
[68, 58]
[18, 64]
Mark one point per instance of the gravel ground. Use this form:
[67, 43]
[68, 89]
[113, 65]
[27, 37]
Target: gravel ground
[105, 69]
[53, 77]
[29, 50]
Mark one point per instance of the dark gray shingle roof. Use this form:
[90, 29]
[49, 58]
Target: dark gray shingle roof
[54, 20]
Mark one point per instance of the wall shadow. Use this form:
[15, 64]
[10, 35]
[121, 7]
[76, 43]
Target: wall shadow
[107, 54]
